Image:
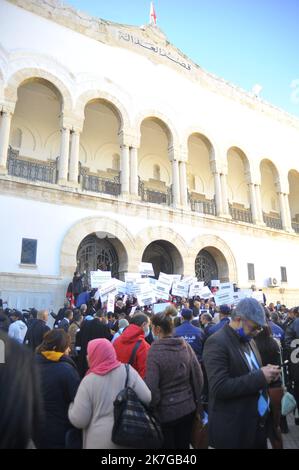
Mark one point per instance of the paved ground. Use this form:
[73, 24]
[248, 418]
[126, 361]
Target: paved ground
[291, 440]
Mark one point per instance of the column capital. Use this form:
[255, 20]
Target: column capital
[174, 154]
[71, 123]
[7, 107]
[215, 167]
[129, 138]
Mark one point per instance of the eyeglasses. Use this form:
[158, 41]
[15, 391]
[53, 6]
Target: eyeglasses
[254, 327]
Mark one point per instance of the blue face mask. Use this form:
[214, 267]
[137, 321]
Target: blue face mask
[244, 337]
[155, 337]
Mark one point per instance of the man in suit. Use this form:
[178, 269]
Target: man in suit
[238, 400]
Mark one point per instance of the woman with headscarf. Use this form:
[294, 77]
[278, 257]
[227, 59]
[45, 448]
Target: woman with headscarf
[92, 409]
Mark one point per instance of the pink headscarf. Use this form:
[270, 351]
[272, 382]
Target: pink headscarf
[101, 357]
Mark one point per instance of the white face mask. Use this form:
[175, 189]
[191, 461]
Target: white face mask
[146, 331]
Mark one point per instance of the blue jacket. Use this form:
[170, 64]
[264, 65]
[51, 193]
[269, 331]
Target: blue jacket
[218, 326]
[192, 335]
[277, 331]
[83, 298]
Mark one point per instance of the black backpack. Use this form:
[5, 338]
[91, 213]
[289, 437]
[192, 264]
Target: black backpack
[134, 424]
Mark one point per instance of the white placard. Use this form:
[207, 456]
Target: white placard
[132, 277]
[205, 293]
[180, 289]
[225, 294]
[111, 303]
[157, 308]
[147, 297]
[196, 288]
[146, 269]
[108, 288]
[97, 278]
[215, 283]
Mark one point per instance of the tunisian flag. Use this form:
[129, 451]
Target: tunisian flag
[153, 16]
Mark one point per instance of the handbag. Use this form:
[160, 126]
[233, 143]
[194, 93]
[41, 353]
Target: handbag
[134, 424]
[288, 401]
[199, 433]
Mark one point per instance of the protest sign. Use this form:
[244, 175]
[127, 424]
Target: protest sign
[180, 289]
[146, 269]
[97, 278]
[196, 288]
[111, 303]
[158, 308]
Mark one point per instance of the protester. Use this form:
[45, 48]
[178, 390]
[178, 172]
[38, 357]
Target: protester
[92, 409]
[37, 330]
[17, 329]
[192, 335]
[77, 285]
[66, 321]
[74, 328]
[238, 400]
[59, 383]
[93, 329]
[175, 379]
[123, 323]
[224, 319]
[124, 345]
[4, 321]
[20, 400]
[83, 297]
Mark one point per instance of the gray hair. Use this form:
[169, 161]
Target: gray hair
[250, 309]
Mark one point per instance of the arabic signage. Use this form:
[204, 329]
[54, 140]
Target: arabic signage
[153, 48]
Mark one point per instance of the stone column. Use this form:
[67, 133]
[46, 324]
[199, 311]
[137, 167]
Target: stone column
[253, 204]
[183, 184]
[285, 212]
[218, 193]
[5, 125]
[260, 218]
[225, 206]
[134, 171]
[175, 183]
[64, 156]
[125, 169]
[74, 157]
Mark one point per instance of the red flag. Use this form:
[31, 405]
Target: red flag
[153, 16]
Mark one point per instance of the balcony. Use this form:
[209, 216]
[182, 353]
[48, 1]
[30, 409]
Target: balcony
[200, 204]
[295, 226]
[31, 169]
[240, 214]
[161, 194]
[100, 182]
[272, 221]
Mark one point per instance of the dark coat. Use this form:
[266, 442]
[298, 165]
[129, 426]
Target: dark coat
[77, 285]
[234, 391]
[64, 324]
[4, 322]
[59, 383]
[171, 364]
[35, 334]
[90, 329]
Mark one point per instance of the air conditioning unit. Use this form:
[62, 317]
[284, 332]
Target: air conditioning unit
[273, 282]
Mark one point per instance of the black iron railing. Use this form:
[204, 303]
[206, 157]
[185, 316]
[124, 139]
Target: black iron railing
[242, 215]
[153, 196]
[273, 222]
[30, 169]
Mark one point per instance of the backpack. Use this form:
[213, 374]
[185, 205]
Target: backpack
[134, 424]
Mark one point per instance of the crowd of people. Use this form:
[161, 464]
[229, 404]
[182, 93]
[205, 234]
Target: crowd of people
[58, 385]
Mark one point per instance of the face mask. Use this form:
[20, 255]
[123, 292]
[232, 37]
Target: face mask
[155, 337]
[244, 337]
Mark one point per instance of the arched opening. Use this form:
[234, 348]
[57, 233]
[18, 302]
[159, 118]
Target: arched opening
[36, 132]
[100, 251]
[211, 264]
[154, 167]
[294, 198]
[269, 194]
[99, 138]
[237, 181]
[164, 257]
[199, 174]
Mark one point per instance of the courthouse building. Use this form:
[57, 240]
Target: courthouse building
[116, 148]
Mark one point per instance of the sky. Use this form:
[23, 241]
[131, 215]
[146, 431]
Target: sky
[246, 42]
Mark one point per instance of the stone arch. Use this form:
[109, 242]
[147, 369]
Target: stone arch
[118, 107]
[152, 234]
[169, 127]
[205, 135]
[27, 74]
[245, 160]
[274, 169]
[221, 252]
[122, 240]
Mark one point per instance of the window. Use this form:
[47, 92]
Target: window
[283, 272]
[29, 248]
[251, 275]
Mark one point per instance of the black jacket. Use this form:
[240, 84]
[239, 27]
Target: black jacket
[4, 322]
[90, 329]
[35, 334]
[234, 391]
[59, 383]
[78, 284]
